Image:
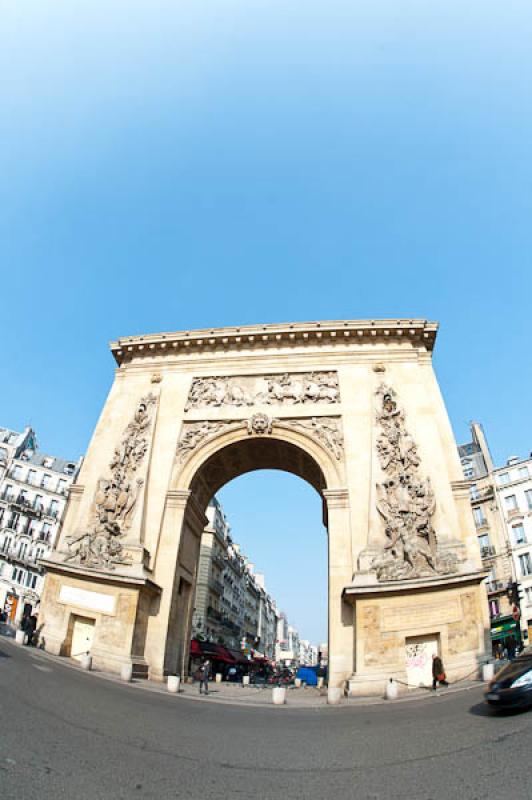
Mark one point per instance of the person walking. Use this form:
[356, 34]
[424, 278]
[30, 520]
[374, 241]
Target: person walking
[205, 671]
[438, 673]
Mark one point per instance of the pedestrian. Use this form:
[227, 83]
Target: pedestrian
[438, 673]
[205, 671]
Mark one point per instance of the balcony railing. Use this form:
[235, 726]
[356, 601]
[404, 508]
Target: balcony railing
[481, 523]
[512, 513]
[216, 586]
[482, 494]
[495, 586]
[487, 552]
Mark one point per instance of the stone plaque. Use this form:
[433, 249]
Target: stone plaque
[420, 616]
[83, 598]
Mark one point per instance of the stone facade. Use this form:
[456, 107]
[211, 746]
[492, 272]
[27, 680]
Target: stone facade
[353, 408]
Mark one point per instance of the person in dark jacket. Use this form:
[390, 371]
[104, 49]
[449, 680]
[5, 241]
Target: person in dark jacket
[205, 671]
[438, 673]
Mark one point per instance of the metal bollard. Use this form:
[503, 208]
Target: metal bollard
[172, 683]
[391, 690]
[126, 672]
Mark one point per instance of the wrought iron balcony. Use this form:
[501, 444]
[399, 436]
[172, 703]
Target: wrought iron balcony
[494, 587]
[487, 552]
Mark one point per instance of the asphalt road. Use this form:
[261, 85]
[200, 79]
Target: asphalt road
[67, 734]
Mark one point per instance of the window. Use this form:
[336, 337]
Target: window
[469, 472]
[61, 486]
[47, 462]
[34, 582]
[54, 508]
[45, 481]
[483, 541]
[528, 496]
[510, 502]
[17, 472]
[518, 534]
[22, 550]
[29, 577]
[38, 503]
[525, 564]
[32, 477]
[528, 595]
[504, 478]
[494, 608]
[473, 491]
[14, 575]
[523, 472]
[6, 544]
[479, 516]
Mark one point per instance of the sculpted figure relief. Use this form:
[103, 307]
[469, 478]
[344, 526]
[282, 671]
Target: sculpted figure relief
[116, 497]
[405, 501]
[314, 387]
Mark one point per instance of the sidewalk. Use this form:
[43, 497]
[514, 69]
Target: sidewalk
[237, 695]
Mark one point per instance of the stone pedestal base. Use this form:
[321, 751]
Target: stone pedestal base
[110, 610]
[399, 625]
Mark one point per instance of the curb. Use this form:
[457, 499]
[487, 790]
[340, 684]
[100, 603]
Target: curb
[160, 688]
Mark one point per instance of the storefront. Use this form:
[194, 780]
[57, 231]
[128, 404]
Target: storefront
[219, 656]
[505, 635]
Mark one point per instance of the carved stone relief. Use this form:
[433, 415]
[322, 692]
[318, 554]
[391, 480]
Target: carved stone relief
[116, 496]
[195, 433]
[405, 501]
[327, 430]
[290, 389]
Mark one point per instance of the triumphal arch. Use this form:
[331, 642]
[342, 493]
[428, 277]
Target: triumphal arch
[352, 407]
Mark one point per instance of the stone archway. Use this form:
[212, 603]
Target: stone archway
[354, 409]
[224, 456]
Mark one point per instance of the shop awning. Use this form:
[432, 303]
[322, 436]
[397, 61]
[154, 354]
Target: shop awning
[239, 657]
[216, 652]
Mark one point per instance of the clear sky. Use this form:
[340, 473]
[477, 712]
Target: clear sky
[169, 165]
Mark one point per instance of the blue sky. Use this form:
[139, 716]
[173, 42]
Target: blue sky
[167, 166]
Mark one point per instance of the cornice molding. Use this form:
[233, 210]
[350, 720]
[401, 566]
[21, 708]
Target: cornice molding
[419, 332]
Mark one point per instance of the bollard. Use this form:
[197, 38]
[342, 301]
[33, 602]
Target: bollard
[390, 690]
[334, 695]
[126, 672]
[20, 637]
[279, 695]
[245, 680]
[172, 683]
[218, 677]
[320, 683]
[297, 683]
[85, 662]
[488, 671]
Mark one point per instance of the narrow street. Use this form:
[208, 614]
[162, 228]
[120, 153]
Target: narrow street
[68, 734]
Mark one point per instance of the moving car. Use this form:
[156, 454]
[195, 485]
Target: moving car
[512, 685]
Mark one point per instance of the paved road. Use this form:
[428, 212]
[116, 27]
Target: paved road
[66, 734]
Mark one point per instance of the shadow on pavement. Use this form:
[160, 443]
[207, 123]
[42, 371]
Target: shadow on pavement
[3, 654]
[485, 710]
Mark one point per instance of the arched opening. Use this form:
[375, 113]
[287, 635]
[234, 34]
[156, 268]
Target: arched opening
[206, 476]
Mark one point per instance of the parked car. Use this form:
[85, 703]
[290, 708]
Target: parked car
[512, 685]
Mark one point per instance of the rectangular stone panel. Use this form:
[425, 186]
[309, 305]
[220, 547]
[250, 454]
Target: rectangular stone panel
[409, 617]
[83, 598]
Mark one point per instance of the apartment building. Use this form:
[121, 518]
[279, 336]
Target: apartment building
[33, 494]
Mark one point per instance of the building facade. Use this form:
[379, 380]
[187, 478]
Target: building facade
[33, 492]
[231, 606]
[501, 502]
[513, 484]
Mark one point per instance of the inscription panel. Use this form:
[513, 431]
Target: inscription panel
[420, 616]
